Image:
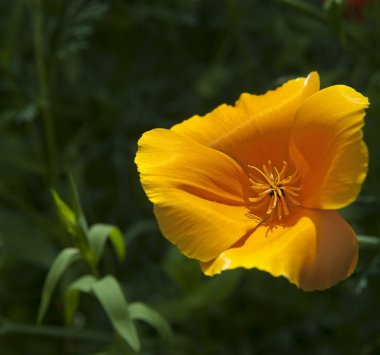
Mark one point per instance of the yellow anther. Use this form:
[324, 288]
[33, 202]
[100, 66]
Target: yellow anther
[274, 189]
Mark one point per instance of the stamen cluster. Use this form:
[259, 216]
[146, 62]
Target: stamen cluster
[274, 189]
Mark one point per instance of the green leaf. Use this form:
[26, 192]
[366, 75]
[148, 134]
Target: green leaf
[111, 297]
[142, 312]
[98, 235]
[65, 213]
[78, 210]
[64, 259]
[82, 284]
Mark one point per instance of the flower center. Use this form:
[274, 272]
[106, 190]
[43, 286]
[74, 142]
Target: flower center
[274, 190]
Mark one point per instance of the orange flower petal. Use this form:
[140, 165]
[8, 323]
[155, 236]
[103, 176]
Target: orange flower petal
[314, 250]
[327, 147]
[198, 193]
[258, 126]
[201, 229]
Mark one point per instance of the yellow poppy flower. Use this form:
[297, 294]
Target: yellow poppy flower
[257, 185]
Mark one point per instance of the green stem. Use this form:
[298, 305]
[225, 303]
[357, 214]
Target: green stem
[367, 241]
[44, 99]
[81, 242]
[89, 257]
[82, 235]
[51, 331]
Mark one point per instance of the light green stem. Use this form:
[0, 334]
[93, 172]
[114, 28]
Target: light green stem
[91, 262]
[44, 98]
[82, 233]
[367, 241]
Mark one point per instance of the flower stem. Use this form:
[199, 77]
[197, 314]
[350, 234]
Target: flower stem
[44, 101]
[367, 241]
[82, 239]
[91, 262]
[8, 327]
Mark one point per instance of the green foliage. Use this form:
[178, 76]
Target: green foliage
[98, 235]
[66, 214]
[108, 292]
[111, 297]
[80, 81]
[90, 247]
[83, 284]
[64, 259]
[77, 25]
[140, 311]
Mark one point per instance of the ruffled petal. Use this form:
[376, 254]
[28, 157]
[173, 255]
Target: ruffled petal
[257, 128]
[327, 147]
[314, 250]
[198, 193]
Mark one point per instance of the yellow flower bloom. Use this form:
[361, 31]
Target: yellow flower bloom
[257, 185]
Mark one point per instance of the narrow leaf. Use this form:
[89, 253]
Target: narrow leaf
[82, 284]
[78, 210]
[98, 235]
[65, 213]
[142, 312]
[64, 259]
[111, 297]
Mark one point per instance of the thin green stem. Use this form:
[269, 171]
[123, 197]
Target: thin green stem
[368, 241]
[44, 97]
[82, 234]
[91, 262]
[81, 242]
[51, 331]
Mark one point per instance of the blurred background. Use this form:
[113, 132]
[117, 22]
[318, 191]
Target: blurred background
[81, 80]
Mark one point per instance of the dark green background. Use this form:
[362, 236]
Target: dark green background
[118, 68]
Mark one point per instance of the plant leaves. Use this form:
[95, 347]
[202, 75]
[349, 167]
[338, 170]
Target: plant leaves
[78, 25]
[78, 210]
[82, 284]
[111, 297]
[98, 235]
[65, 213]
[64, 259]
[141, 311]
